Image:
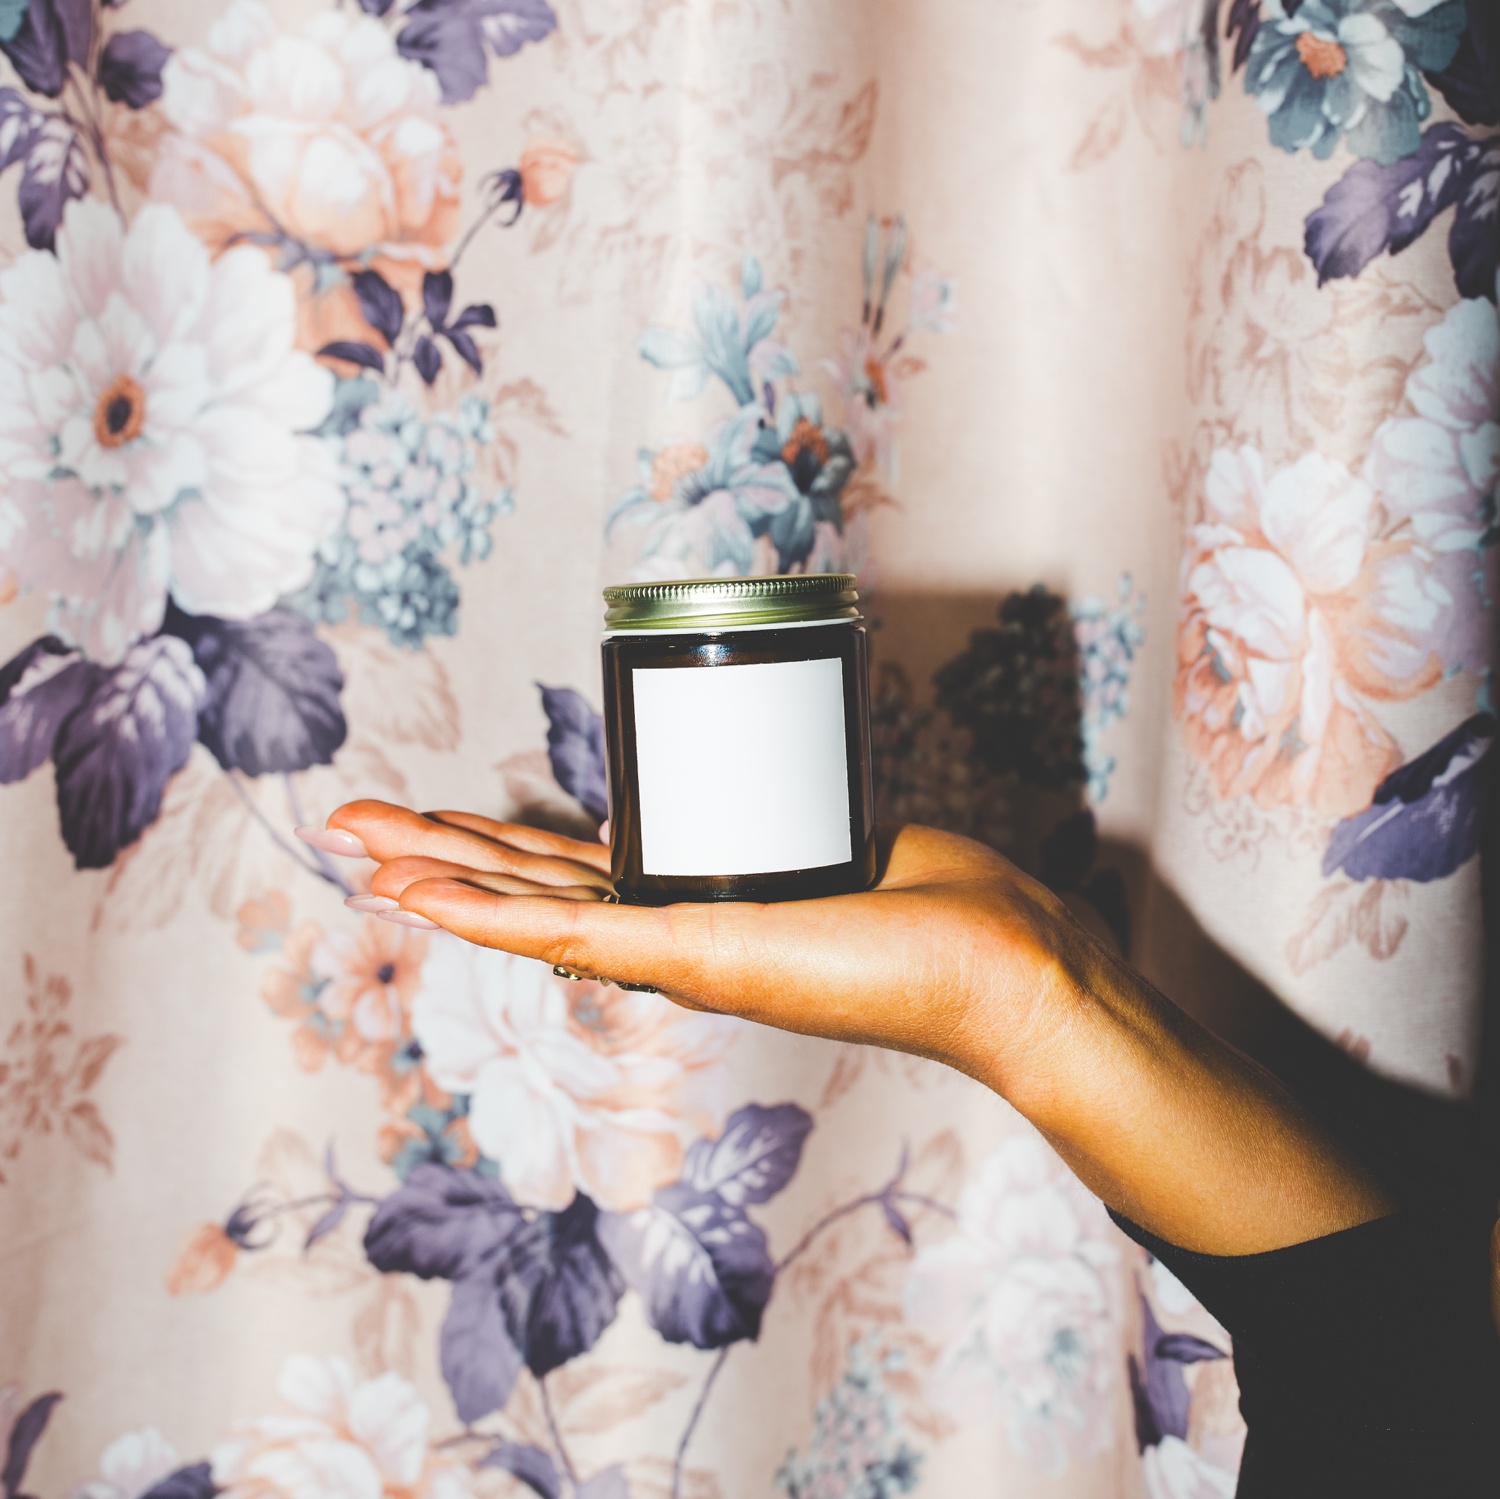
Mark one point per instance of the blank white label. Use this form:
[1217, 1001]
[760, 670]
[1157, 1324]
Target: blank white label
[742, 769]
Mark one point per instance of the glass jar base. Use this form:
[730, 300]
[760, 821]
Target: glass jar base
[800, 884]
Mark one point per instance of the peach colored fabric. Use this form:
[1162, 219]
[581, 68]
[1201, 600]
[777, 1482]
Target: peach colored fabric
[1119, 376]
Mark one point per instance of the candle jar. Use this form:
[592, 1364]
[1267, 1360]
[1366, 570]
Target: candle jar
[737, 721]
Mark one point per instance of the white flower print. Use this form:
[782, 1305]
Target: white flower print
[328, 135]
[1296, 611]
[1438, 469]
[1174, 1470]
[152, 412]
[131, 1466]
[571, 1086]
[1025, 1301]
[347, 1440]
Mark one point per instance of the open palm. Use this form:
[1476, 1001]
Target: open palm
[898, 966]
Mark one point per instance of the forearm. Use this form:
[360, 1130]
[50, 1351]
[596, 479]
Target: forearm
[954, 955]
[1168, 1125]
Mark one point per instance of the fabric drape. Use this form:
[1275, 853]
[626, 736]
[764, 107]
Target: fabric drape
[1140, 356]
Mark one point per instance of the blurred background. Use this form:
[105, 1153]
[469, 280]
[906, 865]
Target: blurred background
[1141, 357]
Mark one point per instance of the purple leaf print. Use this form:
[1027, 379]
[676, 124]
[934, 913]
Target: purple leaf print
[437, 297]
[1159, 1391]
[451, 37]
[701, 1266]
[118, 750]
[451, 47]
[428, 359]
[39, 689]
[575, 745]
[437, 303]
[1474, 240]
[509, 24]
[24, 1436]
[196, 1482]
[1471, 82]
[558, 1286]
[57, 171]
[1373, 208]
[328, 1222]
[19, 123]
[896, 1220]
[1426, 818]
[479, 1360]
[441, 1224]
[1244, 23]
[366, 355]
[755, 1157]
[444, 1224]
[380, 303]
[479, 315]
[273, 690]
[77, 17]
[466, 349]
[39, 50]
[130, 68]
[530, 1464]
[610, 1484]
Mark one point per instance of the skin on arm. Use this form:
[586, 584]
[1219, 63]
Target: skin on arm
[954, 955]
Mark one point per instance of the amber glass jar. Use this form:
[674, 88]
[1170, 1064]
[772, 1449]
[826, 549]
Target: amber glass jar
[737, 715]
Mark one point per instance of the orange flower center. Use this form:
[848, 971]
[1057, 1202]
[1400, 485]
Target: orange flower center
[805, 437]
[120, 416]
[672, 465]
[1320, 56]
[875, 374]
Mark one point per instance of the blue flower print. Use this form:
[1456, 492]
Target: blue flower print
[734, 343]
[859, 1448]
[772, 487]
[1331, 70]
[415, 502]
[820, 460]
[719, 507]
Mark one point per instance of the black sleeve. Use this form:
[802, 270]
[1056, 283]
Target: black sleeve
[1367, 1361]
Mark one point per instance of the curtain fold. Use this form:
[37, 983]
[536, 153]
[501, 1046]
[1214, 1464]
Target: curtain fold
[1141, 356]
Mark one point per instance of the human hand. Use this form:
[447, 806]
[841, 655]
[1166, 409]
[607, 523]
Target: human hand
[951, 940]
[954, 955]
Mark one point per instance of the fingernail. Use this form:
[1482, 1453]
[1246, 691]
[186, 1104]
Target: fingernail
[604, 831]
[372, 905]
[333, 841]
[409, 918]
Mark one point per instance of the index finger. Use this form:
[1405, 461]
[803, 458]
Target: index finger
[390, 832]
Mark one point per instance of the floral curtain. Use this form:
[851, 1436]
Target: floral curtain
[1142, 358]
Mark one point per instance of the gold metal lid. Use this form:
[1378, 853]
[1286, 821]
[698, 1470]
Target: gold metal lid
[727, 603]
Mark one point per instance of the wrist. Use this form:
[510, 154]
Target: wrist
[1037, 975]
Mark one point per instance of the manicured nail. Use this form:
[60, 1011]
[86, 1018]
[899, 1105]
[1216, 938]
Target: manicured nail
[372, 905]
[333, 841]
[604, 831]
[409, 918]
